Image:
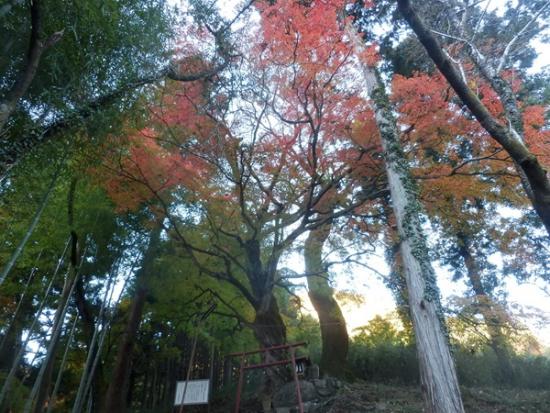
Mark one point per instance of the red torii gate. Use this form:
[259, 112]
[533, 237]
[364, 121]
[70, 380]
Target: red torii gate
[292, 360]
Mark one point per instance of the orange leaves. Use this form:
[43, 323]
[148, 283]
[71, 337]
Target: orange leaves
[422, 99]
[306, 41]
[427, 111]
[453, 157]
[308, 57]
[181, 107]
[307, 34]
[144, 170]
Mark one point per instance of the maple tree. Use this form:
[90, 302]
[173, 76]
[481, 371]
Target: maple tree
[290, 128]
[511, 137]
[466, 178]
[260, 168]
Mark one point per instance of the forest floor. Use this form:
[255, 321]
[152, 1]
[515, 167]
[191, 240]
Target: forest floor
[372, 397]
[361, 397]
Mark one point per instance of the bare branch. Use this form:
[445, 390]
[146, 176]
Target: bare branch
[511, 43]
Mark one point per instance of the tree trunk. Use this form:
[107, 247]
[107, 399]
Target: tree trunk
[268, 326]
[334, 334]
[12, 151]
[529, 165]
[505, 93]
[37, 46]
[41, 388]
[11, 341]
[115, 399]
[437, 371]
[494, 317]
[13, 317]
[42, 384]
[92, 371]
[269, 329]
[11, 375]
[69, 338]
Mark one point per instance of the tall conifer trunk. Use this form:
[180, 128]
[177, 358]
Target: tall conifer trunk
[437, 371]
[334, 335]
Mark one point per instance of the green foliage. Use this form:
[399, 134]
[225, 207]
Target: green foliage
[381, 353]
[105, 47]
[18, 395]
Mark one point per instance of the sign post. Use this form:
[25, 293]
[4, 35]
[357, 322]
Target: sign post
[197, 389]
[196, 392]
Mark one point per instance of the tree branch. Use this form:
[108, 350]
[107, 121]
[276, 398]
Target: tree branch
[37, 46]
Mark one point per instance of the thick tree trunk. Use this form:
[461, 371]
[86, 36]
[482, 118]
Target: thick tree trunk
[269, 329]
[268, 326]
[396, 281]
[493, 315]
[334, 334]
[529, 165]
[115, 399]
[437, 371]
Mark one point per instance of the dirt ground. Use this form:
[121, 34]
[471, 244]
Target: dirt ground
[371, 397]
[362, 397]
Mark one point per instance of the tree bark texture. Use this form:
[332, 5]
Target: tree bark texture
[437, 370]
[268, 326]
[528, 163]
[334, 334]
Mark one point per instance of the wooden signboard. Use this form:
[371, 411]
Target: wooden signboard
[197, 392]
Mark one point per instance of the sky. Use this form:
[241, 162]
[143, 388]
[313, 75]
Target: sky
[527, 297]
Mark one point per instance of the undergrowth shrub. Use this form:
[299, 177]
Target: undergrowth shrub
[382, 353]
